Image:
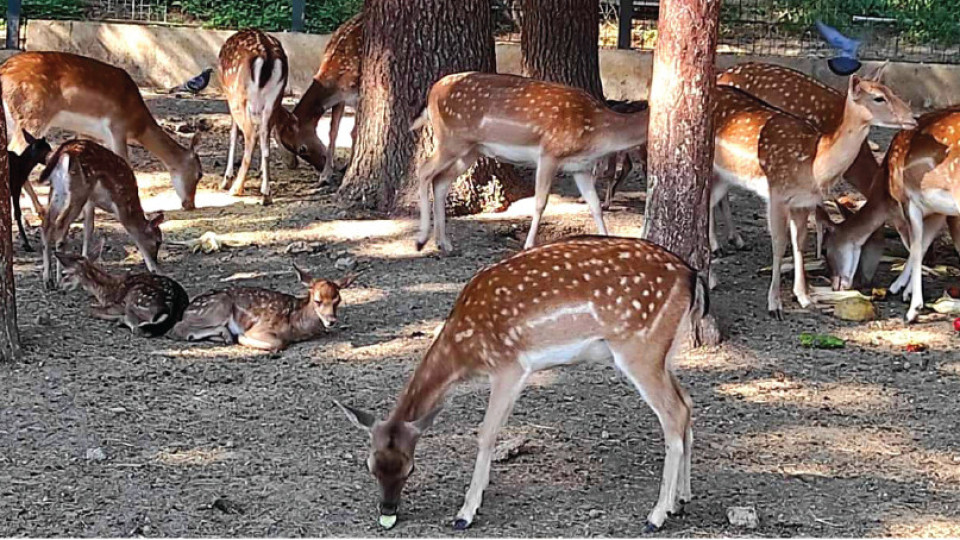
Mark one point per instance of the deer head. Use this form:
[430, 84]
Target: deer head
[37, 150]
[301, 139]
[153, 234]
[187, 176]
[849, 261]
[78, 270]
[324, 294]
[876, 101]
[392, 444]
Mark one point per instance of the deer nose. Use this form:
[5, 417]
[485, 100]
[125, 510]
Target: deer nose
[188, 204]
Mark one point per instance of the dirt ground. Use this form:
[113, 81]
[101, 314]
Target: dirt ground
[106, 434]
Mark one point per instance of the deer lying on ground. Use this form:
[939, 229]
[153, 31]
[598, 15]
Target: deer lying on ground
[922, 174]
[21, 165]
[85, 176]
[261, 318]
[253, 73]
[335, 86]
[791, 164]
[596, 298]
[522, 121]
[148, 304]
[42, 90]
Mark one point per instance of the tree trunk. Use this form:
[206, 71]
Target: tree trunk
[680, 149]
[409, 45]
[560, 42]
[9, 336]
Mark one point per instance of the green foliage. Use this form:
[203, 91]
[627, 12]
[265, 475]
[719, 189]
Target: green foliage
[53, 9]
[916, 20]
[271, 15]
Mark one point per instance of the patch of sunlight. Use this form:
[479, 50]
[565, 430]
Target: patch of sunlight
[446, 288]
[168, 201]
[952, 368]
[848, 398]
[195, 456]
[392, 348]
[924, 527]
[365, 229]
[209, 351]
[710, 359]
[358, 297]
[895, 337]
[542, 379]
[846, 452]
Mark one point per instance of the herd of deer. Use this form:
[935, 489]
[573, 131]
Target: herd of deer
[778, 133]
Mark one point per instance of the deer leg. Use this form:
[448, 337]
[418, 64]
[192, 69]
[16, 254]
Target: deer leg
[89, 211]
[18, 215]
[264, 131]
[231, 149]
[662, 393]
[336, 114]
[353, 139]
[620, 173]
[777, 223]
[34, 200]
[441, 187]
[107, 313]
[587, 184]
[931, 229]
[684, 493]
[915, 215]
[798, 237]
[718, 192]
[264, 341]
[733, 236]
[428, 174]
[249, 141]
[546, 170]
[953, 223]
[505, 388]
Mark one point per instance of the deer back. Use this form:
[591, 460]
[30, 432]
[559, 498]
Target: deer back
[340, 66]
[240, 55]
[926, 158]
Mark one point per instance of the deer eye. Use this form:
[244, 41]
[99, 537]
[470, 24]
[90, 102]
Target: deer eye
[879, 99]
[303, 150]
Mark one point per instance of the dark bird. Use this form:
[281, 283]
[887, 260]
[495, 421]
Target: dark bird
[847, 48]
[198, 83]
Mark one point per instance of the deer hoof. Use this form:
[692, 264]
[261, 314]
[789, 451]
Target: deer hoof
[649, 528]
[266, 200]
[225, 183]
[777, 314]
[27, 247]
[50, 285]
[421, 244]
[461, 524]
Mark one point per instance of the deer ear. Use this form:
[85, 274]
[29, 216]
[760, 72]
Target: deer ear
[424, 422]
[877, 73]
[157, 219]
[361, 419]
[28, 137]
[346, 280]
[97, 252]
[855, 86]
[303, 275]
[195, 140]
[823, 218]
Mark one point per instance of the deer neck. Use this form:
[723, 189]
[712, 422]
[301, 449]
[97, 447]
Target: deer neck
[162, 145]
[304, 319]
[429, 384]
[104, 287]
[837, 150]
[318, 97]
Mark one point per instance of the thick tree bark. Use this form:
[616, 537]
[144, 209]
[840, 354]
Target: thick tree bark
[560, 42]
[9, 336]
[680, 149]
[409, 45]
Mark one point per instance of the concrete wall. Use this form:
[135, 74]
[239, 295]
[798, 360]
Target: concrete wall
[166, 56]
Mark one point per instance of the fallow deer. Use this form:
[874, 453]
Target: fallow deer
[335, 86]
[253, 73]
[522, 121]
[21, 165]
[148, 304]
[261, 318]
[622, 163]
[791, 164]
[582, 298]
[85, 176]
[42, 90]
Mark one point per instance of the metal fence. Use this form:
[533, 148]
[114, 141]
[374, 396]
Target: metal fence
[900, 30]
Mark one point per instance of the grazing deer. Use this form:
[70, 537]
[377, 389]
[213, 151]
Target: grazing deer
[583, 298]
[922, 172]
[622, 163]
[335, 86]
[42, 90]
[148, 304]
[253, 73]
[792, 164]
[261, 318]
[21, 165]
[522, 121]
[85, 176]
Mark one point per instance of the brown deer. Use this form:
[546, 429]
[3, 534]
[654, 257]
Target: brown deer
[148, 304]
[791, 164]
[261, 318]
[85, 176]
[522, 121]
[583, 298]
[21, 165]
[619, 166]
[42, 90]
[253, 73]
[335, 86]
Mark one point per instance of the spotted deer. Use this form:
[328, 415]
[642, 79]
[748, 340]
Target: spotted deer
[253, 73]
[335, 86]
[523, 121]
[21, 165]
[43, 90]
[148, 304]
[791, 164]
[583, 298]
[85, 176]
[261, 318]
[621, 164]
